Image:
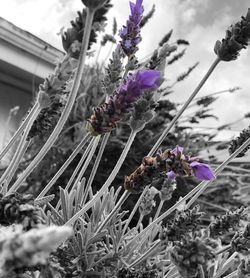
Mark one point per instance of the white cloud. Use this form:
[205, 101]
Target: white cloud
[45, 18]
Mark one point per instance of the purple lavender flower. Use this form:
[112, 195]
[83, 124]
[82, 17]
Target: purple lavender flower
[185, 165]
[202, 171]
[171, 175]
[169, 164]
[106, 116]
[130, 34]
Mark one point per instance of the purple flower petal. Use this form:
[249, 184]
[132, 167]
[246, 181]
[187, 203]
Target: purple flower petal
[132, 29]
[171, 175]
[136, 11]
[127, 43]
[148, 79]
[177, 150]
[202, 171]
[123, 31]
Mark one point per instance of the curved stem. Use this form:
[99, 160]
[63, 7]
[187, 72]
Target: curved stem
[108, 182]
[80, 164]
[134, 210]
[223, 249]
[34, 110]
[146, 254]
[17, 161]
[208, 95]
[86, 164]
[64, 166]
[139, 222]
[159, 209]
[166, 213]
[77, 80]
[177, 116]
[21, 147]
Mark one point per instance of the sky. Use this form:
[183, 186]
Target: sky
[201, 22]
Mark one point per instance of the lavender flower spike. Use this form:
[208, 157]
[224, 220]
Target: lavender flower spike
[202, 171]
[130, 34]
[106, 116]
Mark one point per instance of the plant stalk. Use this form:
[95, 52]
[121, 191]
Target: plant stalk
[134, 210]
[218, 170]
[177, 116]
[34, 110]
[95, 167]
[108, 182]
[191, 193]
[77, 80]
[64, 166]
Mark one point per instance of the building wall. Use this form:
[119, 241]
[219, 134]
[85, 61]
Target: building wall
[25, 60]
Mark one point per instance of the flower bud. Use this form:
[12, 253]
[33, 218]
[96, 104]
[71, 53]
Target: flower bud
[43, 99]
[94, 4]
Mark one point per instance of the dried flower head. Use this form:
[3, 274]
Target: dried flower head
[73, 36]
[241, 241]
[167, 189]
[166, 38]
[148, 202]
[189, 255]
[113, 71]
[229, 221]
[106, 116]
[236, 143]
[94, 4]
[183, 223]
[130, 34]
[237, 38]
[171, 163]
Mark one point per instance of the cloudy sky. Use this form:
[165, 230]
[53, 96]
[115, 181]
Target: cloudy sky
[201, 22]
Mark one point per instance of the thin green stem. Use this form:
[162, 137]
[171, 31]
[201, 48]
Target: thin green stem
[77, 80]
[229, 263]
[235, 168]
[234, 274]
[64, 166]
[146, 254]
[224, 249]
[139, 221]
[134, 210]
[209, 95]
[17, 161]
[21, 128]
[108, 182]
[86, 164]
[168, 212]
[85, 154]
[177, 116]
[214, 205]
[95, 167]
[21, 146]
[159, 209]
